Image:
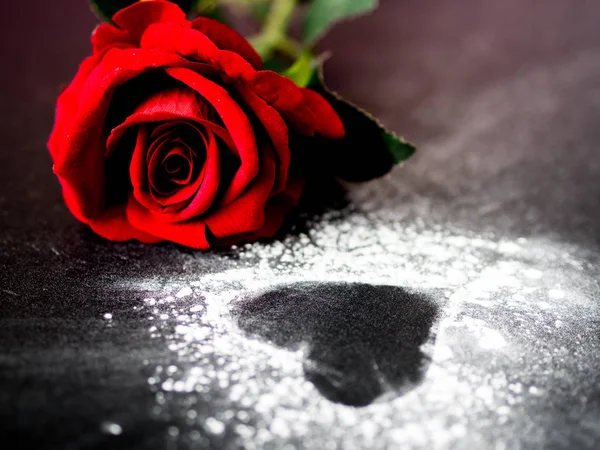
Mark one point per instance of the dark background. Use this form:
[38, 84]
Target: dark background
[503, 101]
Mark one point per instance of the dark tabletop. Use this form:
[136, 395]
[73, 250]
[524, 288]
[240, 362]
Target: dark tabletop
[453, 304]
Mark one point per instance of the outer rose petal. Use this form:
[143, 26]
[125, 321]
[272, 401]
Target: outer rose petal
[79, 152]
[171, 38]
[193, 44]
[68, 102]
[316, 115]
[276, 210]
[277, 90]
[235, 121]
[233, 67]
[191, 234]
[276, 129]
[328, 123]
[227, 39]
[115, 227]
[131, 22]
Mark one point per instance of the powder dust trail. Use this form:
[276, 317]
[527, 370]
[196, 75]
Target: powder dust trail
[514, 317]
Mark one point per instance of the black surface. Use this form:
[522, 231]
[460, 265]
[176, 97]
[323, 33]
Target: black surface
[503, 99]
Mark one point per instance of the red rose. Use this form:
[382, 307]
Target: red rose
[171, 131]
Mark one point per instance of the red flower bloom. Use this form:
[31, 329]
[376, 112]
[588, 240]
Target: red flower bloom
[171, 131]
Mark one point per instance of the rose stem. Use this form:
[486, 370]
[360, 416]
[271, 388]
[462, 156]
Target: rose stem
[274, 33]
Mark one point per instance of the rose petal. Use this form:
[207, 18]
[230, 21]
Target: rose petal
[107, 36]
[131, 22]
[180, 195]
[235, 121]
[191, 233]
[275, 212]
[207, 191]
[233, 67]
[189, 43]
[156, 143]
[227, 39]
[138, 171]
[315, 116]
[80, 159]
[142, 169]
[328, 123]
[196, 46]
[176, 164]
[200, 125]
[302, 120]
[276, 129]
[114, 226]
[278, 91]
[174, 102]
[178, 103]
[247, 213]
[68, 103]
[154, 167]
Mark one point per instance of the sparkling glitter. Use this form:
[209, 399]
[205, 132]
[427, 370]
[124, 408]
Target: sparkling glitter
[111, 428]
[534, 391]
[214, 426]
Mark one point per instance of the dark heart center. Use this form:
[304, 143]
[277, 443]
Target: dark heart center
[360, 340]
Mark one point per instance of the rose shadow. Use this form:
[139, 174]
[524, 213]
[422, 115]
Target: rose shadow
[362, 341]
[322, 195]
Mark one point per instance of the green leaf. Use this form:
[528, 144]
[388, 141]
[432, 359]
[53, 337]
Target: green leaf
[322, 14]
[368, 151]
[107, 8]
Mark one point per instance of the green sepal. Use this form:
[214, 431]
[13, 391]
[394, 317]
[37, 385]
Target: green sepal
[303, 69]
[322, 14]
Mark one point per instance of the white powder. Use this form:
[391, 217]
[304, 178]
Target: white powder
[499, 299]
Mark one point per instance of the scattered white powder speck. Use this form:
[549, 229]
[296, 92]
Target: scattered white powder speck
[214, 426]
[111, 428]
[184, 292]
[491, 339]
